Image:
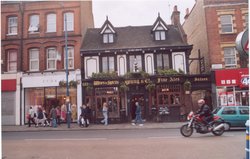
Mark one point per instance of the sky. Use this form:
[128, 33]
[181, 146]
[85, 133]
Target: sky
[137, 12]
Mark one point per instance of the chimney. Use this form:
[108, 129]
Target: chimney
[187, 13]
[175, 17]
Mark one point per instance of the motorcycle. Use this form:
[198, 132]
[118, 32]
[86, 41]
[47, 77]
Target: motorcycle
[195, 122]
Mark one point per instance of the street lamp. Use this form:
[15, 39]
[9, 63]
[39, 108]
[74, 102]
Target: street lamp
[67, 73]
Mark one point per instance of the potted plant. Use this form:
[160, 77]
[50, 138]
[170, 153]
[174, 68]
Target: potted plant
[187, 86]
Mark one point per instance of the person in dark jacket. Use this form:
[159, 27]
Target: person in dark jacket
[204, 112]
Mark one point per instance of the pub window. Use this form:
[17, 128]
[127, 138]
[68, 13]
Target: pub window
[70, 58]
[34, 59]
[230, 57]
[160, 33]
[108, 64]
[12, 25]
[51, 23]
[135, 62]
[226, 23]
[108, 36]
[12, 61]
[51, 58]
[162, 61]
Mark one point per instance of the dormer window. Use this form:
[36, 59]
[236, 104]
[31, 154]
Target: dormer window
[159, 29]
[108, 36]
[160, 33]
[107, 32]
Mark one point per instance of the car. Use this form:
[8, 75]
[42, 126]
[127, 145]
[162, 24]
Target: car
[234, 116]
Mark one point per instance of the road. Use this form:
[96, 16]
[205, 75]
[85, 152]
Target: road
[122, 144]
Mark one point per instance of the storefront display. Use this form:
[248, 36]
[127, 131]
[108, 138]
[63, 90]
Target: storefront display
[232, 87]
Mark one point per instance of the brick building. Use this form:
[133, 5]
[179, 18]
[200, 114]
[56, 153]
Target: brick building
[212, 27]
[33, 54]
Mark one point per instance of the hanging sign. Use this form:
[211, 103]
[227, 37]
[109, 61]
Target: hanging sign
[242, 43]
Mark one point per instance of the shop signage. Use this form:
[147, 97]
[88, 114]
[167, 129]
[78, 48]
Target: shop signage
[137, 81]
[232, 77]
[244, 82]
[168, 79]
[106, 83]
[9, 85]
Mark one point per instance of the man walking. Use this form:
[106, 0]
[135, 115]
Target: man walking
[138, 118]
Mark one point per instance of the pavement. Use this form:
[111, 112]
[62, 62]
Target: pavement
[75, 127]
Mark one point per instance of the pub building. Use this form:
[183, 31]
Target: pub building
[148, 64]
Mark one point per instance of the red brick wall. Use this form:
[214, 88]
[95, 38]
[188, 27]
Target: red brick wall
[42, 40]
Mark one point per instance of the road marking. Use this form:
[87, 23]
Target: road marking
[81, 139]
[162, 137]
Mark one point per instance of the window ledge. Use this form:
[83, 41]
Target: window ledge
[11, 34]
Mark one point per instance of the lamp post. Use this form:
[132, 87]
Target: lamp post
[67, 74]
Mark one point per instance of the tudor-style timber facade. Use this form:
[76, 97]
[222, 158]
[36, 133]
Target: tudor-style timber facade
[148, 64]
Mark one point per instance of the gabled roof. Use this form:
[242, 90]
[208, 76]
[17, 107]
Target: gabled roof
[107, 25]
[159, 22]
[132, 37]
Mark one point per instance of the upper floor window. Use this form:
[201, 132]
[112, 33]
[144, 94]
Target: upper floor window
[226, 23]
[160, 33]
[162, 61]
[135, 63]
[51, 23]
[108, 64]
[108, 36]
[12, 61]
[230, 57]
[34, 23]
[51, 58]
[69, 18]
[12, 25]
[70, 58]
[34, 59]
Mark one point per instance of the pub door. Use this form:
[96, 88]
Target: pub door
[137, 98]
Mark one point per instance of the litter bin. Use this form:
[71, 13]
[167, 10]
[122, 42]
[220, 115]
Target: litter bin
[247, 139]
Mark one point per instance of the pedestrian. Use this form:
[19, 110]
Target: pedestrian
[40, 117]
[53, 116]
[87, 115]
[138, 118]
[31, 116]
[46, 119]
[105, 113]
[58, 115]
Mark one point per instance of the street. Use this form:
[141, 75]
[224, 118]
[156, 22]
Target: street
[122, 144]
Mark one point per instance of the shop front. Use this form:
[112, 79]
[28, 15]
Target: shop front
[232, 87]
[153, 93]
[48, 90]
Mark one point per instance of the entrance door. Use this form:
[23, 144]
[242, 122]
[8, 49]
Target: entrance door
[137, 98]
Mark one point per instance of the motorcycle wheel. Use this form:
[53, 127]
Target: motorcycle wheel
[218, 132]
[186, 131]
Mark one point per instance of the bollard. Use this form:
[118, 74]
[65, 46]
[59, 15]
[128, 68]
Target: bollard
[247, 139]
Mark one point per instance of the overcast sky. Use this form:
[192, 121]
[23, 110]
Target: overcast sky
[137, 12]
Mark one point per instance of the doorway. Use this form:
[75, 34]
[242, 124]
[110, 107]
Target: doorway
[137, 98]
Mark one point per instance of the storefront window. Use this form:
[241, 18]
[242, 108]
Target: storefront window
[168, 95]
[34, 97]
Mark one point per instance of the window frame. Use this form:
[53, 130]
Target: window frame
[51, 59]
[164, 64]
[70, 21]
[11, 26]
[69, 57]
[33, 60]
[233, 56]
[51, 22]
[31, 23]
[227, 25]
[132, 60]
[13, 61]
[109, 64]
